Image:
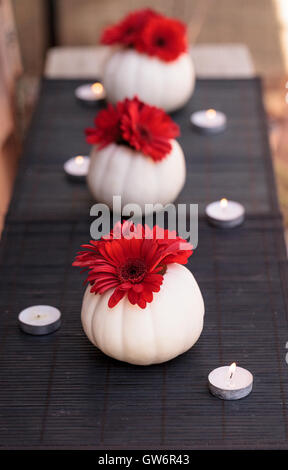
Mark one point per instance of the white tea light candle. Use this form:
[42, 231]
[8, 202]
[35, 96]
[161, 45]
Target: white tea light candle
[230, 383]
[90, 93]
[225, 213]
[77, 168]
[39, 319]
[209, 121]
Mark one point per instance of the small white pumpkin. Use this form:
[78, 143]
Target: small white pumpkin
[168, 326]
[167, 85]
[118, 170]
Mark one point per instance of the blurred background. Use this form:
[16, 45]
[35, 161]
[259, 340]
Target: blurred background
[59, 38]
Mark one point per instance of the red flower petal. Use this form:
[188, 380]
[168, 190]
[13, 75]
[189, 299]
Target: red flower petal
[117, 295]
[107, 127]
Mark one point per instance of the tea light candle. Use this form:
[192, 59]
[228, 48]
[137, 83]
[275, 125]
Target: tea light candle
[230, 383]
[209, 121]
[225, 214]
[39, 319]
[90, 93]
[77, 168]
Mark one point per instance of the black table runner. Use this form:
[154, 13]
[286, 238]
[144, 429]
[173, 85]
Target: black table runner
[59, 390]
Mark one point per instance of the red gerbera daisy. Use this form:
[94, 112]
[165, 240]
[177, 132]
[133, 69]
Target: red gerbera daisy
[107, 126]
[127, 31]
[163, 37]
[131, 265]
[144, 128]
[148, 129]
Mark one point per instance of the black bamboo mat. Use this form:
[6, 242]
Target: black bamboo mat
[60, 391]
[235, 164]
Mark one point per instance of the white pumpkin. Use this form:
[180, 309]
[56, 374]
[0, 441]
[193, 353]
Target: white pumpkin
[168, 326]
[167, 85]
[118, 170]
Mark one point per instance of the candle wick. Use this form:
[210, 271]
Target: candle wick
[232, 371]
[223, 203]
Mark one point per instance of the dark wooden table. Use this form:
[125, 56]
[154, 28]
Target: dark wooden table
[60, 391]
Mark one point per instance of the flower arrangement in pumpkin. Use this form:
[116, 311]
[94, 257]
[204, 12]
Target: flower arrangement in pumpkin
[150, 33]
[131, 260]
[133, 123]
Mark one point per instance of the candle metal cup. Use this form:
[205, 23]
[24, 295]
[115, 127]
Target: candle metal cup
[39, 320]
[209, 121]
[226, 388]
[90, 94]
[225, 214]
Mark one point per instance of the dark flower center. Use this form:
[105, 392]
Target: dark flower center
[130, 30]
[145, 134]
[160, 42]
[133, 270]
